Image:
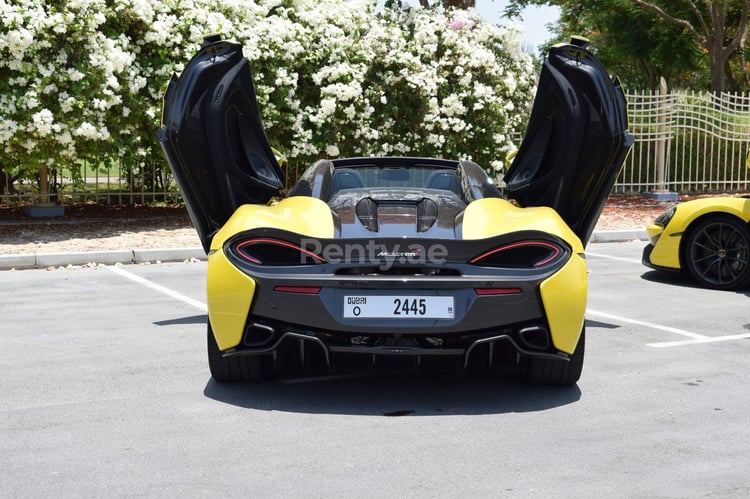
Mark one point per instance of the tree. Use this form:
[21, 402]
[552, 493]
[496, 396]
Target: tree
[648, 49]
[716, 27]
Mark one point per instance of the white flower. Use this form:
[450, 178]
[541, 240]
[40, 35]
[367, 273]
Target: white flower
[75, 75]
[327, 107]
[42, 121]
[453, 105]
[86, 130]
[322, 68]
[7, 129]
[64, 138]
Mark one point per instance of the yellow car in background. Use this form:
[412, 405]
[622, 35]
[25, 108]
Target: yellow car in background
[707, 238]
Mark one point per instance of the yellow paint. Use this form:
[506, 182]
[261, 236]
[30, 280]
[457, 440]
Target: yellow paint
[489, 217]
[229, 294]
[229, 291]
[304, 215]
[564, 294]
[564, 297]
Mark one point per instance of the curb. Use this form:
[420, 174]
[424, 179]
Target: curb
[618, 236]
[46, 260]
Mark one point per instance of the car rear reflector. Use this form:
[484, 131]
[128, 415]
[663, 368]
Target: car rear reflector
[303, 290]
[497, 291]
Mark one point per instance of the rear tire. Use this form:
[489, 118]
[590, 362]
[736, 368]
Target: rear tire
[536, 371]
[240, 369]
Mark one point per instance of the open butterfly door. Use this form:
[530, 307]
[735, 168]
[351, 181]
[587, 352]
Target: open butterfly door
[576, 141]
[213, 138]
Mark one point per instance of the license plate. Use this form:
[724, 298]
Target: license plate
[398, 307]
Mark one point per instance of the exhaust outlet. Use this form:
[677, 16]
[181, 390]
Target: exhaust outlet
[535, 337]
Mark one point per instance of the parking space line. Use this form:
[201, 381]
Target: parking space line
[695, 338]
[681, 332]
[157, 287]
[629, 260]
[698, 341]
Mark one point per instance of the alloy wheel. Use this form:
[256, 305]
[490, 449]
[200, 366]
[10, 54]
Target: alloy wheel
[718, 253]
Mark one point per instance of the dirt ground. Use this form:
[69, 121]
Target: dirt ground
[106, 227]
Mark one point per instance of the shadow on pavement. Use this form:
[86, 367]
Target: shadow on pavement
[670, 278]
[682, 280]
[181, 321]
[389, 394]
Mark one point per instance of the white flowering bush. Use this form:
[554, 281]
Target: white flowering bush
[83, 79]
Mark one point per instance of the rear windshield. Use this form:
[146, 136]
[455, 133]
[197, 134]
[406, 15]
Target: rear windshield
[413, 177]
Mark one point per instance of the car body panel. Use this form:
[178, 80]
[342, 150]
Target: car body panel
[564, 296]
[576, 141]
[666, 242]
[229, 294]
[234, 286]
[493, 216]
[301, 214]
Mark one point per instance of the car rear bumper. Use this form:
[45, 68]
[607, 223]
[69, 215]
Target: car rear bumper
[466, 349]
[253, 309]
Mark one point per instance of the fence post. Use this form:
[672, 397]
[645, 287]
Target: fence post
[661, 193]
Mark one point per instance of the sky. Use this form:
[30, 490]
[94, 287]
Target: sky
[533, 19]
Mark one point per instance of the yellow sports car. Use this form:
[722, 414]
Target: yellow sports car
[389, 259]
[708, 238]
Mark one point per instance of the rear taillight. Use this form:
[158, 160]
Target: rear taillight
[268, 251]
[525, 254]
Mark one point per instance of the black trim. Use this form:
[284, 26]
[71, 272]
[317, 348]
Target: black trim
[576, 140]
[466, 346]
[213, 138]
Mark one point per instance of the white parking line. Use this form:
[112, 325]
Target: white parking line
[651, 325]
[157, 287]
[695, 337]
[599, 255]
[707, 339]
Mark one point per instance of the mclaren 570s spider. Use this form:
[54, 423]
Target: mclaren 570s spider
[395, 260]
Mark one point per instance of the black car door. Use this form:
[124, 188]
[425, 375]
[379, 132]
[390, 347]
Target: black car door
[576, 141]
[213, 138]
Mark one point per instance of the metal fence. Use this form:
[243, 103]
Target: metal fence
[686, 142]
[148, 183]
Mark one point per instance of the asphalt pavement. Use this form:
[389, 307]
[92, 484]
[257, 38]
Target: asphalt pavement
[105, 392]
